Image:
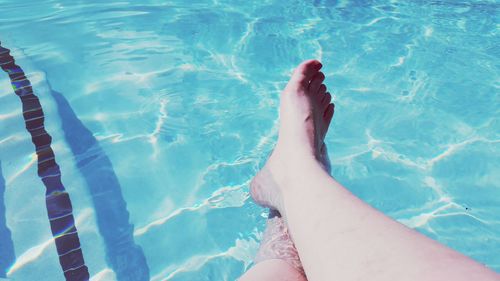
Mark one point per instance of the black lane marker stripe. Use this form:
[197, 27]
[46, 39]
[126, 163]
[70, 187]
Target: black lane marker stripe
[59, 208]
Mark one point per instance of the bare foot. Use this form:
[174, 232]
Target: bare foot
[305, 114]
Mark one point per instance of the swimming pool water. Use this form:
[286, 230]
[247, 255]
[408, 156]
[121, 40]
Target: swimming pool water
[162, 111]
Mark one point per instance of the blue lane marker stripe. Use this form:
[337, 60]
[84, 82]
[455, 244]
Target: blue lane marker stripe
[59, 208]
[7, 255]
[123, 255]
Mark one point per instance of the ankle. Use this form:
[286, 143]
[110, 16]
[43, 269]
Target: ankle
[301, 174]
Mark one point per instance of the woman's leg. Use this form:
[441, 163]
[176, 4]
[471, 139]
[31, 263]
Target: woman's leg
[276, 242]
[345, 239]
[277, 259]
[273, 270]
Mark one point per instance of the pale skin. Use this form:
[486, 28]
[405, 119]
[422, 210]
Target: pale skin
[345, 239]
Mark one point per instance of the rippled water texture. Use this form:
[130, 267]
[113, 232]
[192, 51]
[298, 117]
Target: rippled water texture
[161, 112]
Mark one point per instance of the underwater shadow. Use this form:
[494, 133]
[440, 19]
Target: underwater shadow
[125, 257]
[7, 256]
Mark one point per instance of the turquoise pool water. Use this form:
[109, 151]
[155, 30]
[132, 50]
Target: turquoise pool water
[161, 112]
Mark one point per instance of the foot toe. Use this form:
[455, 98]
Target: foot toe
[326, 99]
[316, 81]
[330, 109]
[322, 89]
[305, 71]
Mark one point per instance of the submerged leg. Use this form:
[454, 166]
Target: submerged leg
[273, 270]
[345, 239]
[277, 244]
[277, 258]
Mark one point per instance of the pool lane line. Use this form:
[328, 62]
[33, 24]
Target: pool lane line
[59, 208]
[7, 256]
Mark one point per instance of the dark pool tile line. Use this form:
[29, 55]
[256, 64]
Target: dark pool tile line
[125, 257]
[58, 203]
